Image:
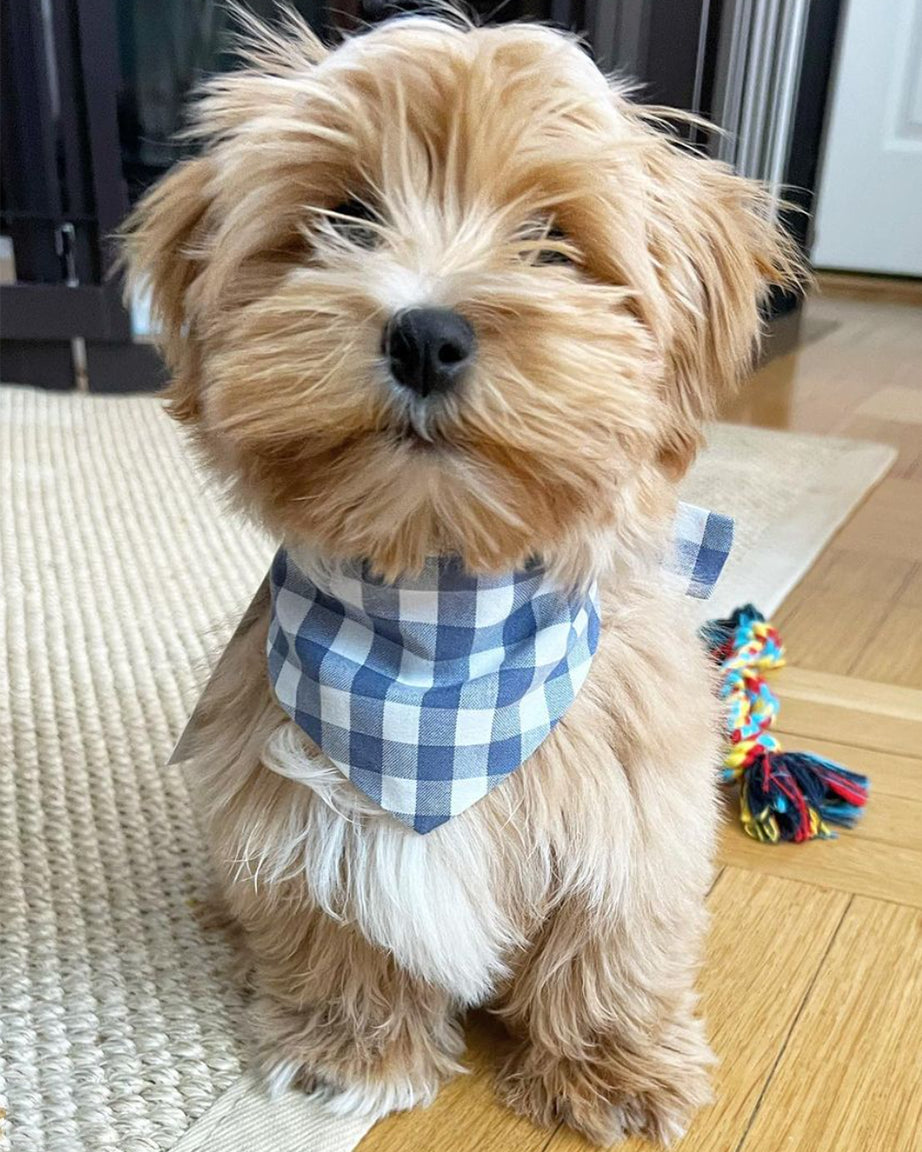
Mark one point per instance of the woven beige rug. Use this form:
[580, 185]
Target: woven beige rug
[120, 1028]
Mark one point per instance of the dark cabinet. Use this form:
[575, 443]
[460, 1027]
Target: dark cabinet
[93, 93]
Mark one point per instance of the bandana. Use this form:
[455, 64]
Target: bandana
[427, 693]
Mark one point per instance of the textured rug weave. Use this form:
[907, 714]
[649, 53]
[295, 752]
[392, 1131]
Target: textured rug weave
[119, 1025]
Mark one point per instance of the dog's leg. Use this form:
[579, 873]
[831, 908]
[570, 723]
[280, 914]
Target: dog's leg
[605, 1004]
[335, 1016]
[334, 1013]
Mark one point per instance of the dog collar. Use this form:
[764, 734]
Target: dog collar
[429, 692]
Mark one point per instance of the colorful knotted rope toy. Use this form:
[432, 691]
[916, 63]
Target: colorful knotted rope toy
[783, 795]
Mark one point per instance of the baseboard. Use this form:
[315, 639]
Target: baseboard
[863, 286]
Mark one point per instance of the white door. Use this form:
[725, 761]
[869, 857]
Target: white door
[869, 215]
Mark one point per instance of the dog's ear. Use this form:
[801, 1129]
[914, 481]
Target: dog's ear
[716, 251]
[170, 239]
[162, 248]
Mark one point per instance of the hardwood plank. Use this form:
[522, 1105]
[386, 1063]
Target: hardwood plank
[747, 1029]
[861, 574]
[891, 775]
[900, 405]
[466, 1116]
[888, 522]
[894, 820]
[911, 591]
[863, 713]
[879, 868]
[808, 391]
[894, 652]
[792, 391]
[913, 471]
[849, 1076]
[905, 438]
[821, 386]
[827, 631]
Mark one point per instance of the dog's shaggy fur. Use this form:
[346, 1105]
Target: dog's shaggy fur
[571, 899]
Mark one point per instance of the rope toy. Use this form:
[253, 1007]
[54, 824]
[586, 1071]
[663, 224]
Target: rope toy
[783, 795]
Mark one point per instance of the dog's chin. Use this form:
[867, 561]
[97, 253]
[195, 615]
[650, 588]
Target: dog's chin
[418, 434]
[383, 474]
[422, 424]
[410, 490]
[417, 477]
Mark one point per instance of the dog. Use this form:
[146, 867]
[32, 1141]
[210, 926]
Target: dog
[444, 291]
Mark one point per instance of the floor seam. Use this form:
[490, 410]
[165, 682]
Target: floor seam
[552, 1137]
[781, 731]
[907, 580]
[857, 747]
[826, 887]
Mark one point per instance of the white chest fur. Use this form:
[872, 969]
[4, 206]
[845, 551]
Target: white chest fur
[426, 899]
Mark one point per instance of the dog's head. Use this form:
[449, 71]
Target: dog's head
[445, 289]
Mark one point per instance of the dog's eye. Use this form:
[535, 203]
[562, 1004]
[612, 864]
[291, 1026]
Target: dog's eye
[352, 219]
[554, 255]
[354, 210]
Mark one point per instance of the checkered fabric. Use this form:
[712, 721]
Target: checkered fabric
[428, 693]
[701, 544]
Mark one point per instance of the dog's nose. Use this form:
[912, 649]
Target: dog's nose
[429, 349]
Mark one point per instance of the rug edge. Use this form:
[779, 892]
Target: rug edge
[247, 1119]
[853, 478]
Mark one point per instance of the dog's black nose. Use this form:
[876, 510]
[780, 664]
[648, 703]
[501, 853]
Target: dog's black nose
[429, 349]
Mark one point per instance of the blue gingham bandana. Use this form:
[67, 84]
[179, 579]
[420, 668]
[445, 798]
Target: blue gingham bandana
[427, 693]
[701, 543]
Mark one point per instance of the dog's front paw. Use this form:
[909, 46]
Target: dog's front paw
[595, 1098]
[368, 1096]
[367, 1075]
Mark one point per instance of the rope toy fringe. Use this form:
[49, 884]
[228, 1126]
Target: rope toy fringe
[783, 795]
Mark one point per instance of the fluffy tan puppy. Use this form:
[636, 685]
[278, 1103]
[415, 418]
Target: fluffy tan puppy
[609, 282]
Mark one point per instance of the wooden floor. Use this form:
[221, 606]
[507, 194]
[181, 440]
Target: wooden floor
[813, 983]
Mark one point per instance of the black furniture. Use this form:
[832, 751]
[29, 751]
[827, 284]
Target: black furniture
[92, 92]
